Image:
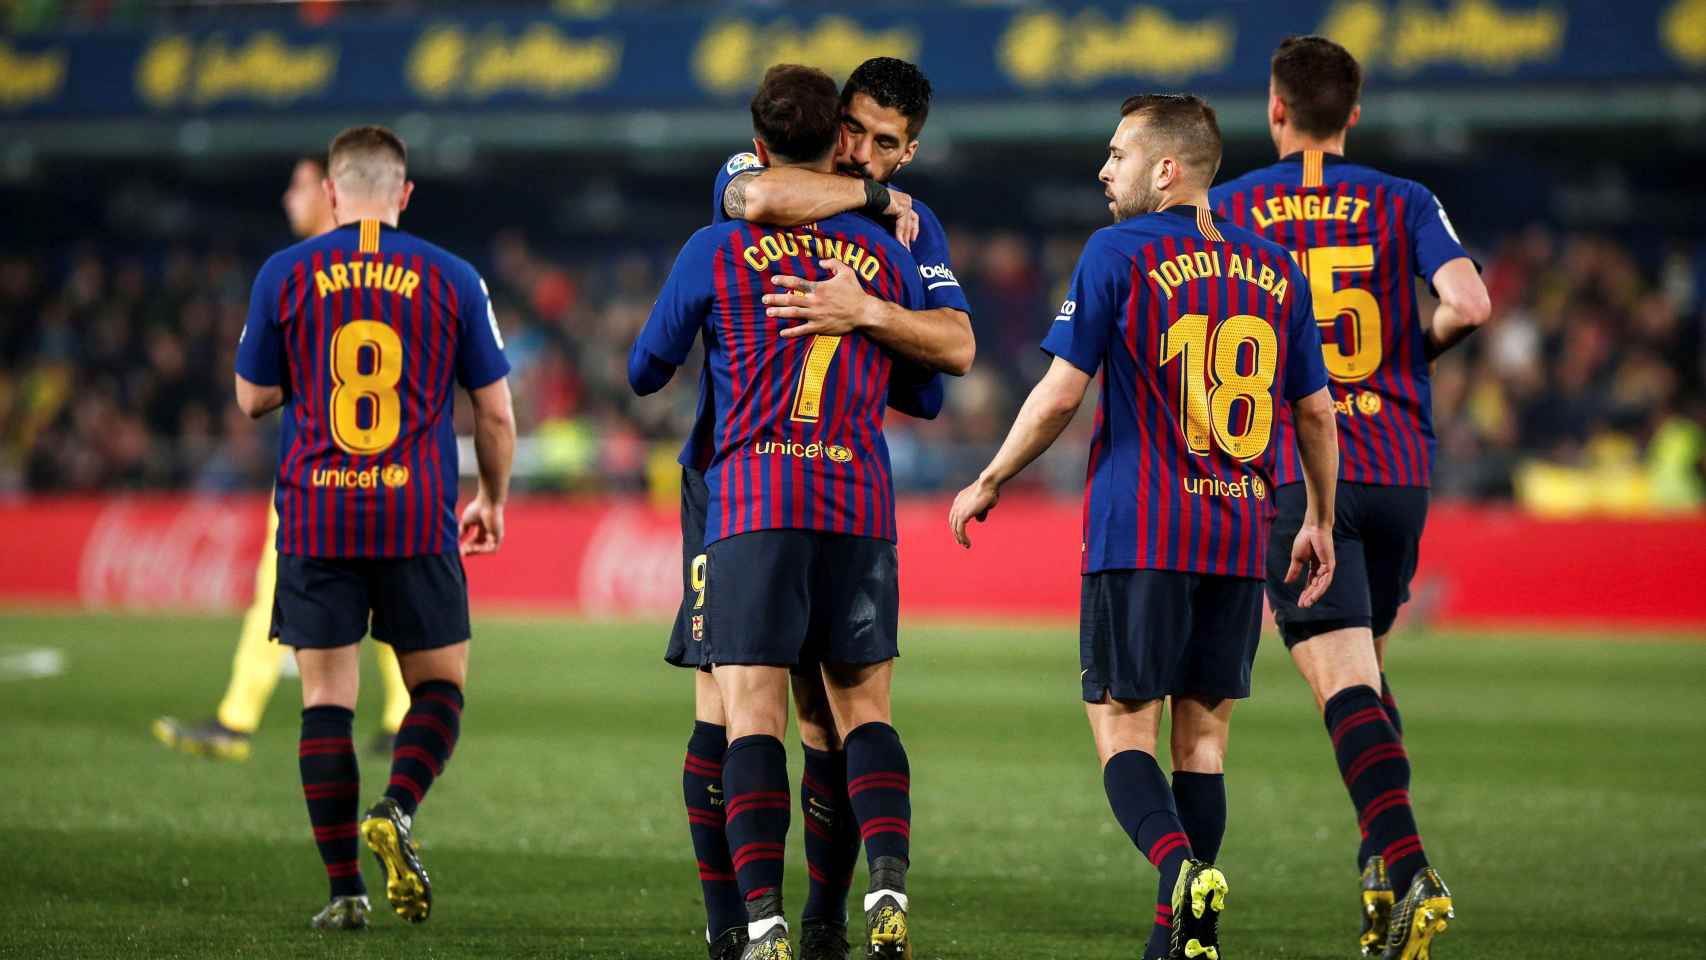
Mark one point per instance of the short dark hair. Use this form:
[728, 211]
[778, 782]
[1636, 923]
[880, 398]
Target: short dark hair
[1189, 124]
[795, 112]
[895, 84]
[367, 139]
[1319, 82]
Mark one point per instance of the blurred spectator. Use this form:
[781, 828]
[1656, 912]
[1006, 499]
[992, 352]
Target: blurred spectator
[1584, 393]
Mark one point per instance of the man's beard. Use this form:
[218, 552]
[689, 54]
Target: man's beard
[1141, 200]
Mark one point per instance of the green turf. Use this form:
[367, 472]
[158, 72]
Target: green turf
[1559, 783]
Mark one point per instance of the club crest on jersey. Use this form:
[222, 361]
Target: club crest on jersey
[396, 475]
[1368, 403]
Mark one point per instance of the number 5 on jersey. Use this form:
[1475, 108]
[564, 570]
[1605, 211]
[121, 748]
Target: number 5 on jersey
[378, 386]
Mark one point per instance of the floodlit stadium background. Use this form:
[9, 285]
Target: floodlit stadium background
[1548, 666]
[567, 149]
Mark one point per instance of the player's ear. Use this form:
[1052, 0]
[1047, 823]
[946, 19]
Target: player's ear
[331, 191]
[1276, 109]
[1356, 114]
[907, 154]
[763, 154]
[403, 199]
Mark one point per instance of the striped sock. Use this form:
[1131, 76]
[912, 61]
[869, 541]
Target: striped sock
[1201, 801]
[1390, 705]
[1376, 771]
[879, 785]
[1143, 803]
[424, 742]
[331, 783]
[832, 834]
[755, 785]
[702, 787]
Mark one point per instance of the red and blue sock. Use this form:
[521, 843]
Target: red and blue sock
[879, 786]
[424, 742]
[1143, 803]
[756, 805]
[331, 783]
[832, 834]
[1376, 771]
[702, 788]
[1201, 802]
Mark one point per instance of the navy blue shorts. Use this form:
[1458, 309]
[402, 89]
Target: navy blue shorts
[1377, 536]
[414, 603]
[687, 640]
[1147, 634]
[792, 597]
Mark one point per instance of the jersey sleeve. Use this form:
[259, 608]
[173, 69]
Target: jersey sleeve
[1305, 367]
[734, 166]
[1432, 236]
[679, 312]
[480, 359]
[915, 391]
[1081, 328]
[930, 249]
[260, 349]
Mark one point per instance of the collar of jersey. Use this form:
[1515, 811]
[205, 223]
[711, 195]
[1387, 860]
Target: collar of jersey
[1188, 210]
[1326, 158]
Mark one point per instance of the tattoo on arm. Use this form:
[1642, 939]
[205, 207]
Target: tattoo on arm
[734, 195]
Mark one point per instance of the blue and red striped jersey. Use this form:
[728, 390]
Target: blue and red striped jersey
[1361, 237]
[367, 328]
[797, 431]
[1202, 331]
[913, 390]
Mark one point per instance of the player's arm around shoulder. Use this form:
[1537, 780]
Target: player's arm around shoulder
[259, 377]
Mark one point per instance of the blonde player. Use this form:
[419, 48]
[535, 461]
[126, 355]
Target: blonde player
[255, 667]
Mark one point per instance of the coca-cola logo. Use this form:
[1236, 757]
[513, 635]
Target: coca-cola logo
[632, 566]
[197, 556]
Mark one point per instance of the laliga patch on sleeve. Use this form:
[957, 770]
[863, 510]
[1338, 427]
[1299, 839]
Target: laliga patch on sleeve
[742, 161]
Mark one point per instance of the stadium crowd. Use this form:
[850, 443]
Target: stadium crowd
[115, 371]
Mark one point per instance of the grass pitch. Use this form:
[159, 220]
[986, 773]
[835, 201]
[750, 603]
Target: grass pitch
[1559, 783]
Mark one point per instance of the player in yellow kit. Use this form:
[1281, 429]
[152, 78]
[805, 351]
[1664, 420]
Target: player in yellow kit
[255, 667]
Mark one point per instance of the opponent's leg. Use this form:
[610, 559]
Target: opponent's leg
[424, 743]
[331, 780]
[702, 789]
[755, 787]
[254, 675]
[879, 787]
[397, 699]
[832, 829]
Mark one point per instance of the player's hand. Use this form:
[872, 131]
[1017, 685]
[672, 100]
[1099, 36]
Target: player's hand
[973, 503]
[906, 228]
[482, 526]
[1312, 559]
[831, 307]
[900, 203]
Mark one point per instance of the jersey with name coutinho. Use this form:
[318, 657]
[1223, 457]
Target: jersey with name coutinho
[367, 329]
[1361, 237]
[797, 433]
[1201, 332]
[912, 389]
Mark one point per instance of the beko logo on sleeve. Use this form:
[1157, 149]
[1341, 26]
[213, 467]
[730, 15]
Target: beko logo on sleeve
[940, 273]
